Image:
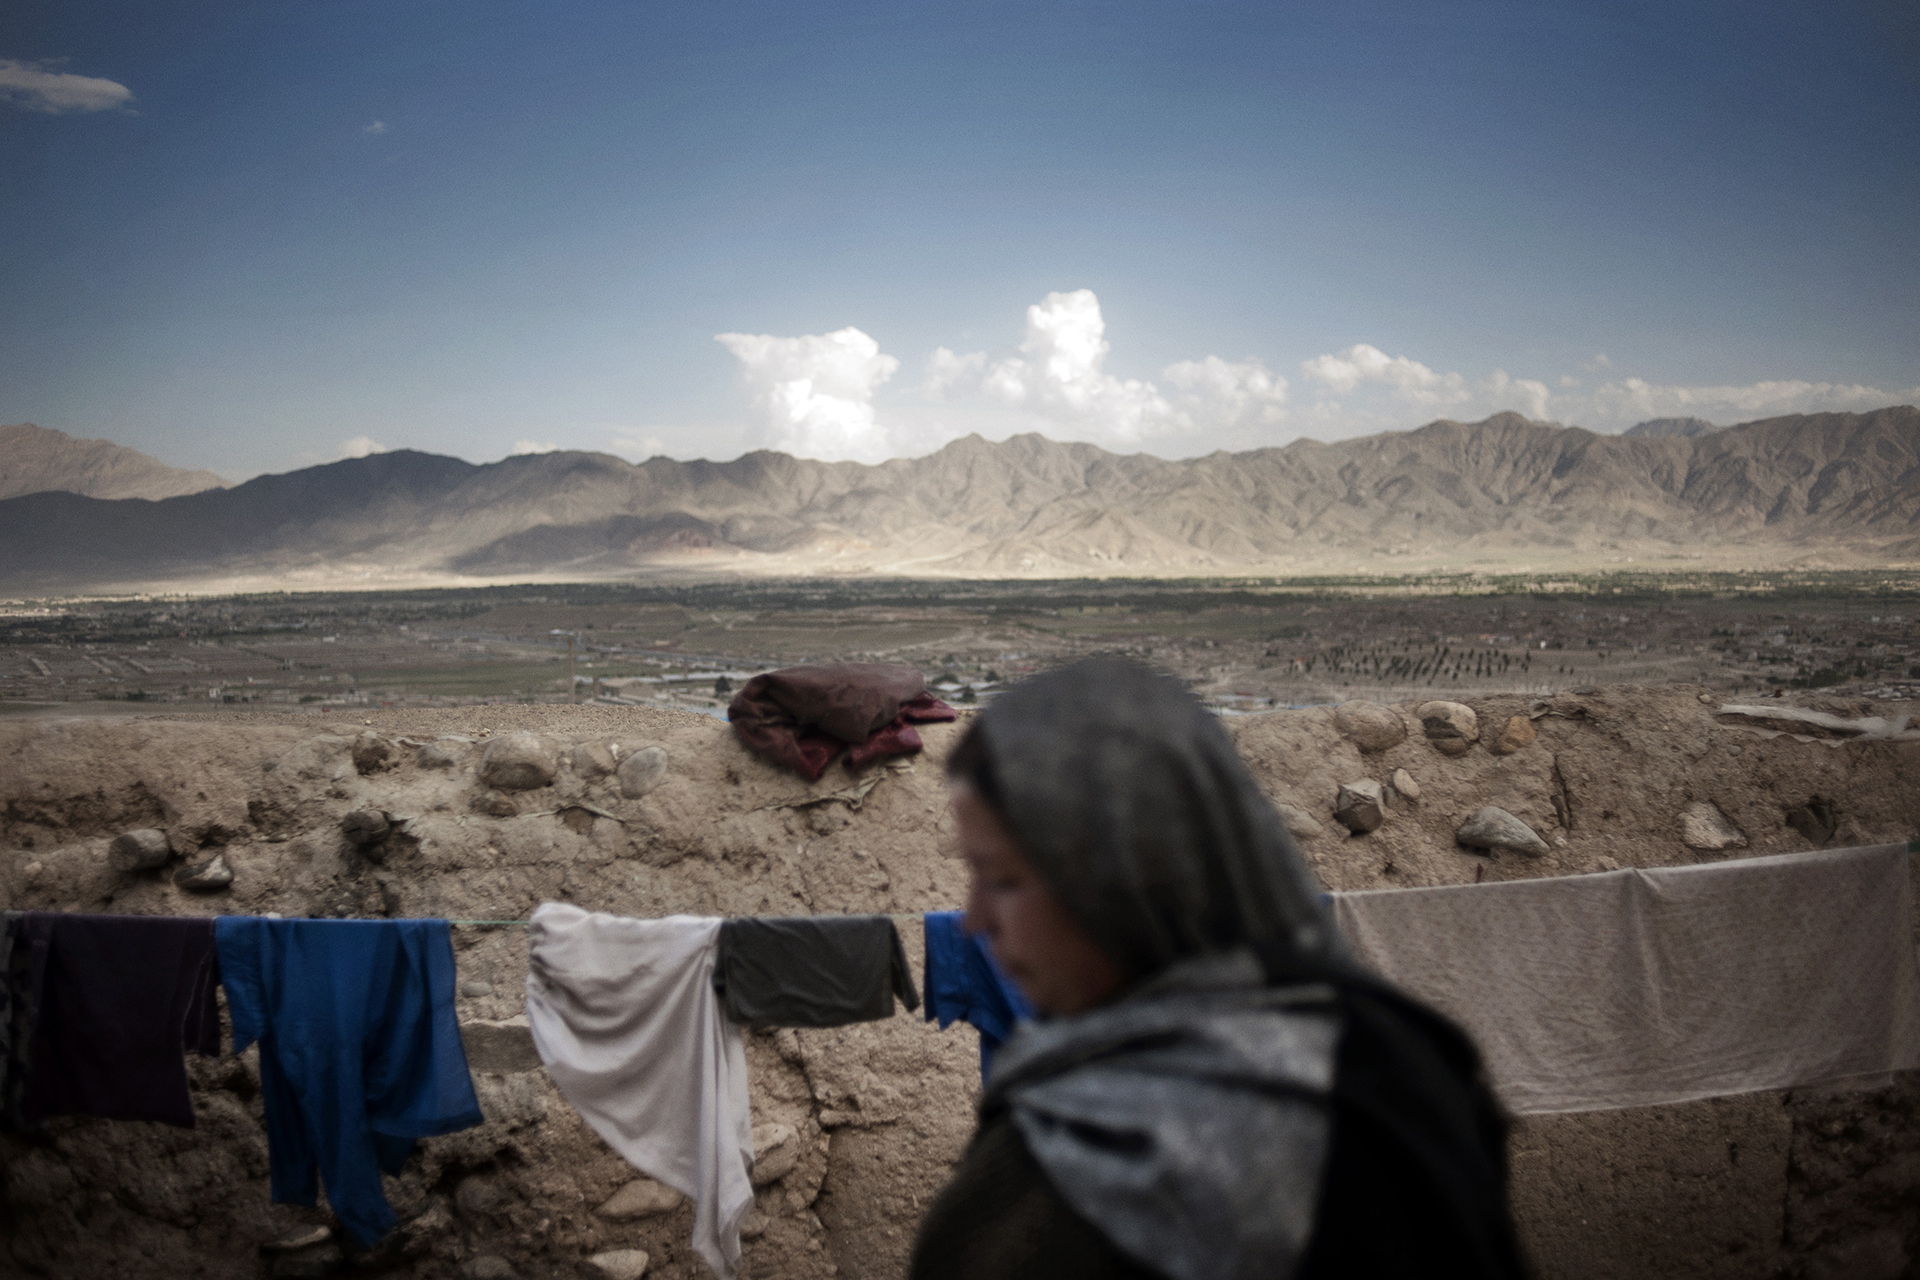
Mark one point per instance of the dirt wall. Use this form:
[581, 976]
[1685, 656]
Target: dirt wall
[858, 1126]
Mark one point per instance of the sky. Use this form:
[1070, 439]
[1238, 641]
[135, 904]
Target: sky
[256, 236]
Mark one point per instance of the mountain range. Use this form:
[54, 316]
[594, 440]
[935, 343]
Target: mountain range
[35, 459]
[1832, 489]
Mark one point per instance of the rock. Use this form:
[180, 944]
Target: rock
[489, 1266]
[1362, 806]
[504, 1047]
[1495, 828]
[141, 850]
[371, 753]
[754, 1225]
[498, 805]
[1370, 726]
[593, 760]
[475, 987]
[620, 1264]
[642, 771]
[305, 1239]
[1704, 826]
[1519, 732]
[1451, 727]
[1405, 786]
[476, 1193]
[210, 876]
[642, 1198]
[775, 1152]
[365, 826]
[518, 762]
[442, 753]
[1299, 822]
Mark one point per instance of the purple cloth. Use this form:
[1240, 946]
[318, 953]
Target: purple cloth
[118, 1001]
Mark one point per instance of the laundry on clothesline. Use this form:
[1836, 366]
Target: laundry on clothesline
[360, 1051]
[626, 1019]
[108, 1007]
[800, 718]
[811, 971]
[1636, 988]
[964, 984]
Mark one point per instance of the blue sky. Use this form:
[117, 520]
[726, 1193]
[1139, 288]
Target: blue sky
[252, 236]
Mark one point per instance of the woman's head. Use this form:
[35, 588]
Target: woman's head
[1108, 790]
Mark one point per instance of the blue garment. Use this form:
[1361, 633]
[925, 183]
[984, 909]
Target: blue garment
[964, 983]
[360, 1052]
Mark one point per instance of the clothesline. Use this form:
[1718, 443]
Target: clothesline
[891, 915]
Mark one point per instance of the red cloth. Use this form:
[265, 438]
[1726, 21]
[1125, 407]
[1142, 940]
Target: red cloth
[802, 717]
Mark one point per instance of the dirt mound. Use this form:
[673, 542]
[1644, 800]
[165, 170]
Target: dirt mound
[858, 1126]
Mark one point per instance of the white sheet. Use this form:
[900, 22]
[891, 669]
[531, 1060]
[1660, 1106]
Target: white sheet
[624, 1015]
[1631, 988]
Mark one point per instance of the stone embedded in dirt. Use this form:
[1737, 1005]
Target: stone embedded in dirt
[642, 771]
[505, 1048]
[641, 1198]
[1405, 786]
[518, 762]
[1703, 826]
[593, 760]
[1494, 828]
[1370, 726]
[210, 876]
[1452, 727]
[141, 850]
[1361, 807]
[371, 753]
[620, 1264]
[775, 1152]
[1519, 732]
[754, 1225]
[475, 987]
[365, 826]
[476, 1193]
[1298, 822]
[489, 1266]
[442, 753]
[498, 805]
[299, 1240]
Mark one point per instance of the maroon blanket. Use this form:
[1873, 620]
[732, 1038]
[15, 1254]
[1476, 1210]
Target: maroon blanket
[802, 717]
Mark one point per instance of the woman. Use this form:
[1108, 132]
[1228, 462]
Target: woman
[1213, 1090]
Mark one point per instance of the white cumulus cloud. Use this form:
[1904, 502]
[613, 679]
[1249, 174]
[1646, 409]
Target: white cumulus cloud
[378, 126]
[360, 447]
[1223, 393]
[1343, 371]
[31, 86]
[816, 391]
[532, 446]
[1058, 373]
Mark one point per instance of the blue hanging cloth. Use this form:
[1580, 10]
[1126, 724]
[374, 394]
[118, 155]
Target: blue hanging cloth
[964, 984]
[360, 1051]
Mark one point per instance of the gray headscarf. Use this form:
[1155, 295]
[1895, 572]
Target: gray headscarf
[1189, 1119]
[1136, 809]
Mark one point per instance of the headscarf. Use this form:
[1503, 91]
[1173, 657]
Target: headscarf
[1251, 1066]
[1137, 811]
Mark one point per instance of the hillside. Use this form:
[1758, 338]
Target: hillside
[37, 460]
[1824, 488]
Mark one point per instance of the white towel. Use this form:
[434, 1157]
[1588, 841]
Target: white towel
[1631, 988]
[625, 1017]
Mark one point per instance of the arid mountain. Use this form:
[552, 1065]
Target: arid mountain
[1666, 428]
[1828, 488]
[37, 460]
